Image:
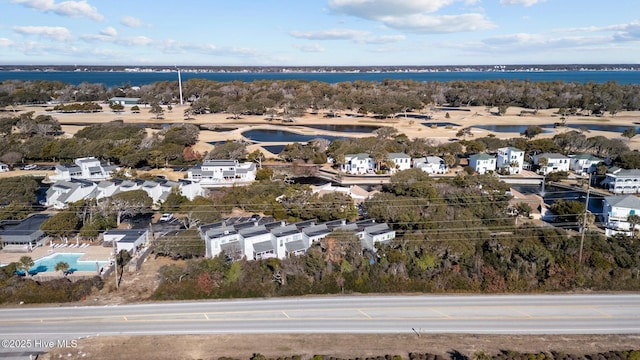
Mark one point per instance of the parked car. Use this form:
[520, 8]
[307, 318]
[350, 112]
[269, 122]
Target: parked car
[30, 167]
[166, 217]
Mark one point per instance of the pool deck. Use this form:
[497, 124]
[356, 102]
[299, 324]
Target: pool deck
[91, 253]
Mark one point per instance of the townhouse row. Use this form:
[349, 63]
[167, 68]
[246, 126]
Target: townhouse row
[263, 238]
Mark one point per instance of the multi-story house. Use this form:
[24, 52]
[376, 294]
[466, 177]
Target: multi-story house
[87, 168]
[358, 164]
[551, 162]
[616, 211]
[510, 160]
[400, 161]
[622, 181]
[482, 163]
[62, 192]
[431, 165]
[584, 163]
[222, 172]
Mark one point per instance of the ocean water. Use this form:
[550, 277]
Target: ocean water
[112, 79]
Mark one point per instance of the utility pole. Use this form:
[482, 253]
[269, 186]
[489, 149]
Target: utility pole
[584, 220]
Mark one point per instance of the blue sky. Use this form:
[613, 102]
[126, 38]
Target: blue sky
[319, 32]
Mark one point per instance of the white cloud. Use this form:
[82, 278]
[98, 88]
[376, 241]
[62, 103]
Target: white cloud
[439, 23]
[130, 21]
[384, 39]
[415, 16]
[310, 48]
[5, 42]
[171, 46]
[66, 8]
[58, 33]
[134, 41]
[520, 2]
[333, 34]
[109, 31]
[373, 9]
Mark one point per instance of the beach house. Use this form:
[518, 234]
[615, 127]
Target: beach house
[616, 211]
[510, 160]
[358, 164]
[398, 162]
[482, 163]
[218, 172]
[126, 239]
[431, 165]
[622, 181]
[547, 163]
[87, 168]
[584, 164]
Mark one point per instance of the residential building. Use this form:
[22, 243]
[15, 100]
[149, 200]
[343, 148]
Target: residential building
[616, 211]
[431, 165]
[64, 192]
[400, 161]
[22, 235]
[510, 160]
[87, 168]
[482, 163]
[622, 181]
[124, 100]
[358, 164]
[584, 164]
[255, 240]
[355, 192]
[126, 239]
[222, 173]
[554, 163]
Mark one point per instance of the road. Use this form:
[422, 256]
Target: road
[517, 314]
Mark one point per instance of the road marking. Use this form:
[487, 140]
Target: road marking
[602, 312]
[206, 316]
[125, 318]
[521, 312]
[445, 315]
[285, 314]
[365, 314]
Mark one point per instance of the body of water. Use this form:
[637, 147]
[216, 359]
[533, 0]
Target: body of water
[48, 263]
[547, 127]
[264, 135]
[115, 78]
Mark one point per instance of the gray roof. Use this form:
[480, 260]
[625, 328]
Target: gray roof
[625, 201]
[263, 246]
[130, 235]
[297, 245]
[481, 156]
[317, 230]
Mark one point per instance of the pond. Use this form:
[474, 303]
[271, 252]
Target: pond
[547, 127]
[513, 128]
[345, 128]
[274, 149]
[266, 135]
[439, 124]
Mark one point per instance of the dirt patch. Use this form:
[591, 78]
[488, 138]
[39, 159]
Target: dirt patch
[336, 345]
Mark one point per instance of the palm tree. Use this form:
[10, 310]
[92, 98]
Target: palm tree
[25, 263]
[633, 221]
[63, 267]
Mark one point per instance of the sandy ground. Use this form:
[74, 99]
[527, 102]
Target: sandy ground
[413, 128]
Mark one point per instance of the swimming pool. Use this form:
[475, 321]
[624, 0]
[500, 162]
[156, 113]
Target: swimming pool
[48, 263]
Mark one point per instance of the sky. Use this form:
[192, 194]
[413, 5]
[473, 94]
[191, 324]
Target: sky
[319, 32]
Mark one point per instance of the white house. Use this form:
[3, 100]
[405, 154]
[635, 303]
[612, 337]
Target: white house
[87, 168]
[482, 163]
[62, 192]
[222, 172]
[621, 181]
[616, 210]
[401, 161]
[4, 167]
[127, 239]
[431, 165]
[510, 160]
[253, 240]
[584, 163]
[358, 164]
[555, 163]
[355, 192]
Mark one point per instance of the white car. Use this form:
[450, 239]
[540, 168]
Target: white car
[30, 167]
[166, 217]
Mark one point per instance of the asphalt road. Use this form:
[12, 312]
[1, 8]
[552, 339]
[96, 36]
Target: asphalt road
[522, 314]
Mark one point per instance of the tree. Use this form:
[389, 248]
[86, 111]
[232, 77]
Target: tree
[568, 210]
[63, 267]
[634, 221]
[61, 224]
[116, 107]
[256, 156]
[135, 109]
[11, 158]
[532, 131]
[24, 264]
[157, 110]
[130, 203]
[629, 133]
